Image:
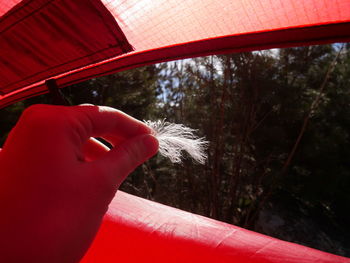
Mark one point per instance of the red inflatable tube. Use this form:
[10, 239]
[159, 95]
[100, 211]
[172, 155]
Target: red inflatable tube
[138, 230]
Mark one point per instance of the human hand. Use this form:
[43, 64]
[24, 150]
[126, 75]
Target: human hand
[56, 182]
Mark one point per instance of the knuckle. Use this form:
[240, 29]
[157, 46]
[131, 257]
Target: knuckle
[33, 111]
[43, 116]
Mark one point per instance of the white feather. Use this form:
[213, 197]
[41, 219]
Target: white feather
[176, 138]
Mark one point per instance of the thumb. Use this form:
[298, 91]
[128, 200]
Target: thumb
[120, 161]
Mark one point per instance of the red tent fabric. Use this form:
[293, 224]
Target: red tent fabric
[159, 30]
[40, 39]
[73, 41]
[138, 230]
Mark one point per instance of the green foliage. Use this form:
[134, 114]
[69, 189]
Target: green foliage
[252, 107]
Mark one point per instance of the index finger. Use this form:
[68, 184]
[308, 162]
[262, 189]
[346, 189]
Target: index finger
[103, 121]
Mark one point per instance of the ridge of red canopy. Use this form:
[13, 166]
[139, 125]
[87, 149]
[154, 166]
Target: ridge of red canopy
[159, 30]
